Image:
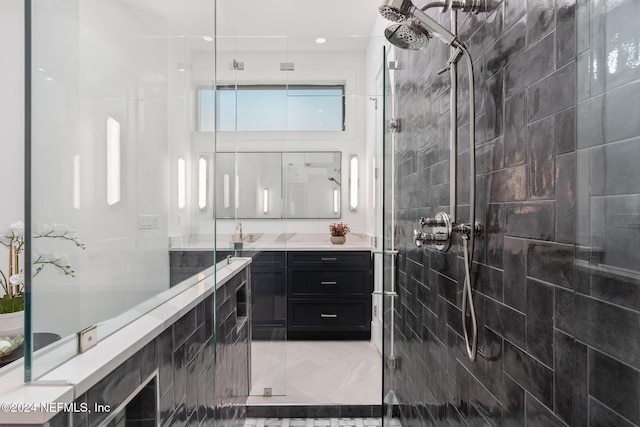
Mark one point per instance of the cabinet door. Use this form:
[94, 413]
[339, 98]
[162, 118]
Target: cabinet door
[268, 300]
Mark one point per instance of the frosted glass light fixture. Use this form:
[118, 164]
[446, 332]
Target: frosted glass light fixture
[225, 190]
[182, 183]
[265, 201]
[76, 182]
[202, 183]
[353, 183]
[113, 161]
[336, 201]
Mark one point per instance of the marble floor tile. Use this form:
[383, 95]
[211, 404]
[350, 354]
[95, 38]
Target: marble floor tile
[316, 373]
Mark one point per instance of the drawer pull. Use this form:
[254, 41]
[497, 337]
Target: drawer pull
[329, 259]
[328, 316]
[328, 283]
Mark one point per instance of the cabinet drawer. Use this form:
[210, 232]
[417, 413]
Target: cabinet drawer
[328, 315]
[308, 283]
[336, 258]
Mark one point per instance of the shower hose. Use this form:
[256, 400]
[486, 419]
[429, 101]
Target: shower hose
[467, 298]
[468, 239]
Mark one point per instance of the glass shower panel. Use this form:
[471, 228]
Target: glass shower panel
[249, 201]
[607, 213]
[112, 163]
[389, 267]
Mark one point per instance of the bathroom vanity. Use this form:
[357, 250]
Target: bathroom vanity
[303, 285]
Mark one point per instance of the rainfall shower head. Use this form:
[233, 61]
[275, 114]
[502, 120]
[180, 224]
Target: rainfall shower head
[396, 10]
[415, 34]
[407, 35]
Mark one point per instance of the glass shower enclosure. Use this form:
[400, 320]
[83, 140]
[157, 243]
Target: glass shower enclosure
[112, 170]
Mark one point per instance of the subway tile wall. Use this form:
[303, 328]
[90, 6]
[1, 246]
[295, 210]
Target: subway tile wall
[200, 382]
[557, 289]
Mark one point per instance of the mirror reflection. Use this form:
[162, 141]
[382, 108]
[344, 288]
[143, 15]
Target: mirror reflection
[278, 185]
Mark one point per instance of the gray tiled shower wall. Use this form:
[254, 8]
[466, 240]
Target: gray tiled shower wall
[196, 386]
[557, 289]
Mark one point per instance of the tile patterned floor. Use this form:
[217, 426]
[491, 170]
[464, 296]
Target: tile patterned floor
[318, 422]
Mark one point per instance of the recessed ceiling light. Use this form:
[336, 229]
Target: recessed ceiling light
[207, 38]
[321, 40]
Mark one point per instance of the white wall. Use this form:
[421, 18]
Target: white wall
[264, 68]
[11, 115]
[94, 60]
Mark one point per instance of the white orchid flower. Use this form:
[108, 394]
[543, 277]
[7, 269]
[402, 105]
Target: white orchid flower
[17, 279]
[40, 229]
[60, 229]
[17, 228]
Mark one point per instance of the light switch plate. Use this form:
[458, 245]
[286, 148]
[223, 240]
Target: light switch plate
[148, 222]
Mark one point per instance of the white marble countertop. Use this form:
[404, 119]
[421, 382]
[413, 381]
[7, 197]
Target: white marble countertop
[272, 242]
[83, 371]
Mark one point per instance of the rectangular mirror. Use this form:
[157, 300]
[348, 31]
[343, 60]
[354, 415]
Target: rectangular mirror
[278, 185]
[311, 184]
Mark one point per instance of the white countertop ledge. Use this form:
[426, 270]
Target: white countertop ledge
[272, 242]
[76, 376]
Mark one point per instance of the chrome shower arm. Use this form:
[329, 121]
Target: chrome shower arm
[473, 6]
[434, 27]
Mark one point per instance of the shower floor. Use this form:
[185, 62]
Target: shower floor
[316, 373]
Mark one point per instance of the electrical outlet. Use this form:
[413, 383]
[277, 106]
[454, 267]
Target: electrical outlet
[148, 222]
[268, 391]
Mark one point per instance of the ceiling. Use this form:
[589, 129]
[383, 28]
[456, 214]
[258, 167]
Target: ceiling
[298, 18]
[294, 25]
[260, 25]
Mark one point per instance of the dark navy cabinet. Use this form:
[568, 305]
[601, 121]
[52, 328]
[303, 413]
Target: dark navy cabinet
[329, 295]
[299, 294]
[268, 295]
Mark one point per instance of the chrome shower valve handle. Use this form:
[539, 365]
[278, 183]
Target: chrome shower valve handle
[440, 235]
[419, 238]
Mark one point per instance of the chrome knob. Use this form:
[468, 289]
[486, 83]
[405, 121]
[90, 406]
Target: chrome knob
[433, 222]
[418, 237]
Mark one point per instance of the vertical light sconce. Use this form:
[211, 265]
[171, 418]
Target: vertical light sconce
[265, 201]
[353, 183]
[76, 182]
[225, 190]
[113, 161]
[336, 201]
[182, 183]
[202, 183]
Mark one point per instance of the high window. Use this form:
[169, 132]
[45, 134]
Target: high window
[264, 108]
